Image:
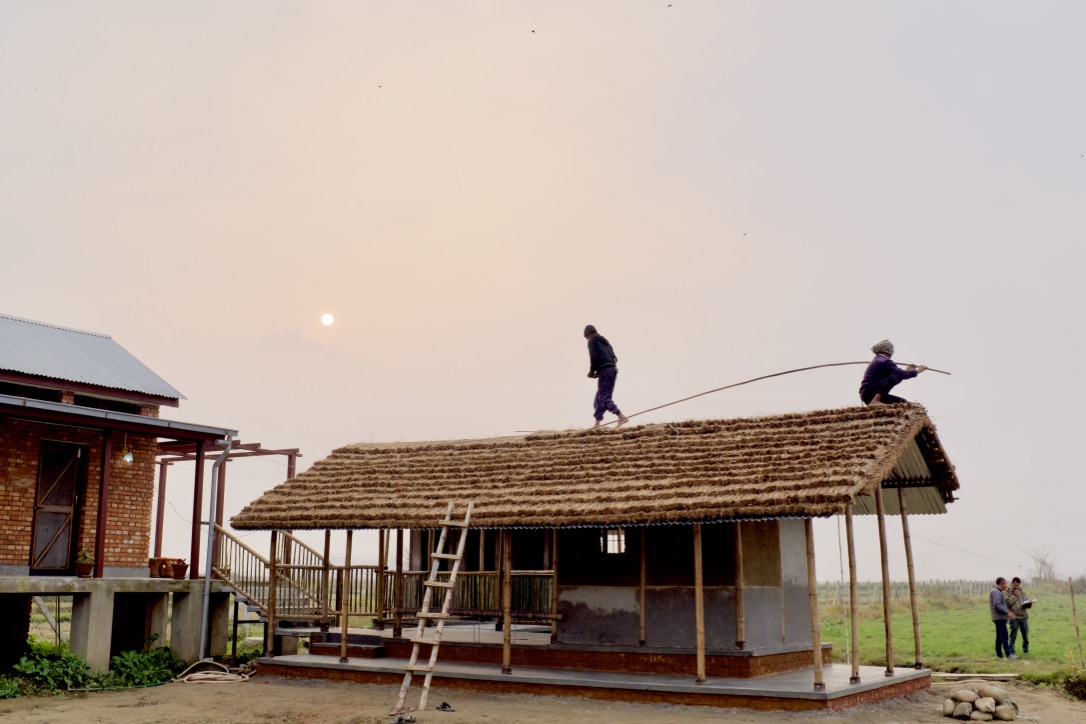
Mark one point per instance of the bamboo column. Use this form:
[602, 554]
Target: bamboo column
[853, 599]
[812, 596]
[382, 561]
[641, 591]
[912, 580]
[699, 604]
[740, 592]
[397, 587]
[507, 595]
[325, 577]
[346, 600]
[482, 550]
[269, 627]
[554, 586]
[1074, 616]
[888, 625]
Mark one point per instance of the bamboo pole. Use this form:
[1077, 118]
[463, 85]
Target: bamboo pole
[554, 586]
[886, 612]
[346, 600]
[382, 562]
[397, 591]
[919, 660]
[482, 550]
[269, 627]
[507, 595]
[641, 592]
[1074, 615]
[853, 598]
[812, 595]
[740, 591]
[699, 604]
[325, 577]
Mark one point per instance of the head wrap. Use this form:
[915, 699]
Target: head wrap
[885, 347]
[589, 330]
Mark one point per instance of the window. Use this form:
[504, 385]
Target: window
[613, 540]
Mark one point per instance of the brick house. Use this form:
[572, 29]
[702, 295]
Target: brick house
[79, 435]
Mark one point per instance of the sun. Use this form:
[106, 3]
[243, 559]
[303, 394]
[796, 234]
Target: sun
[327, 319]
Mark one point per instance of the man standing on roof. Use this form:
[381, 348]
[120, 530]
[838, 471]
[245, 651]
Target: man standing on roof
[882, 374]
[603, 367]
[997, 605]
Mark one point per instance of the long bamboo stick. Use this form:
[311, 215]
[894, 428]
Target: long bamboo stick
[740, 591]
[919, 654]
[1074, 614]
[382, 561]
[397, 592]
[641, 593]
[853, 599]
[345, 605]
[507, 595]
[887, 624]
[554, 586]
[269, 628]
[699, 604]
[812, 597]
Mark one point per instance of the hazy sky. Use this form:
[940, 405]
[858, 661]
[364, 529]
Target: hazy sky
[724, 189]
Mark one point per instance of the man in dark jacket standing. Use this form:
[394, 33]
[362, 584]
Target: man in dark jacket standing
[997, 605]
[603, 367]
[882, 374]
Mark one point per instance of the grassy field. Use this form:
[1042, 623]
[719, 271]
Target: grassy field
[957, 634]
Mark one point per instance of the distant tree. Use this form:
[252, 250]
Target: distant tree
[1044, 563]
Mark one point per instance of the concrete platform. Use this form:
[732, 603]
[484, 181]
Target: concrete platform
[789, 691]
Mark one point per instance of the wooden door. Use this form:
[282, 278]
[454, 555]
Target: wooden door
[56, 505]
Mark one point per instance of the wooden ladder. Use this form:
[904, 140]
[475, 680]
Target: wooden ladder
[425, 614]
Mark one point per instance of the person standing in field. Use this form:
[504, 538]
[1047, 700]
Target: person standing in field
[882, 374]
[997, 604]
[603, 367]
[1019, 605]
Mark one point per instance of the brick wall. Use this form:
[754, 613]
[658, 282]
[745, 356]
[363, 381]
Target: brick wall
[128, 528]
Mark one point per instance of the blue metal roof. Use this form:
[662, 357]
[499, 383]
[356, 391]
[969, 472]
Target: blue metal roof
[46, 350]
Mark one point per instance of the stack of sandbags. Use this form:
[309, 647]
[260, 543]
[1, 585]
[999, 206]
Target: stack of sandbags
[982, 703]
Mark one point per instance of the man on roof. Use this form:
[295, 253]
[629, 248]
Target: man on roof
[603, 366]
[882, 374]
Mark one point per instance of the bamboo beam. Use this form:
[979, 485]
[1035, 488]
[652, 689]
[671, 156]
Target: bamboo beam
[641, 591]
[269, 627]
[812, 597]
[887, 624]
[325, 577]
[740, 591]
[919, 654]
[554, 585]
[345, 606]
[507, 595]
[482, 550]
[397, 587]
[382, 561]
[699, 604]
[853, 599]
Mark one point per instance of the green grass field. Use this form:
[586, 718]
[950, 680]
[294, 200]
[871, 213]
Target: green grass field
[957, 635]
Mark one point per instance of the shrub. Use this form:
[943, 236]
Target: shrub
[141, 668]
[1075, 684]
[9, 688]
[52, 668]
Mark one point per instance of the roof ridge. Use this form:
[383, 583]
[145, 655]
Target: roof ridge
[53, 326]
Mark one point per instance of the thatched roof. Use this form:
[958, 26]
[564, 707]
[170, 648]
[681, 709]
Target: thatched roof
[805, 465]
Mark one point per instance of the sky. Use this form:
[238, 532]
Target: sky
[724, 189]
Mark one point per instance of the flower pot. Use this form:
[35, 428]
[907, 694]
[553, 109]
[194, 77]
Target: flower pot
[84, 570]
[165, 568]
[179, 570]
[155, 566]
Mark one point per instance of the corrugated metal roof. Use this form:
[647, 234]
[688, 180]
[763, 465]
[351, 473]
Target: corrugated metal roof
[46, 350]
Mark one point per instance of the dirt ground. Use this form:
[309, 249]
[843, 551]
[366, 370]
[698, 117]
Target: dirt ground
[294, 701]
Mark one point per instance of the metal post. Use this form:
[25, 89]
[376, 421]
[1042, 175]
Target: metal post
[197, 512]
[160, 511]
[103, 505]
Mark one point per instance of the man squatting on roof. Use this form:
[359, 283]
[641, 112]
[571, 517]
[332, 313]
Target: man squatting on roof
[882, 374]
[997, 606]
[603, 367]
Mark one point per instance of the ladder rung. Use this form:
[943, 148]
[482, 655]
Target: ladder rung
[454, 523]
[418, 640]
[438, 584]
[436, 614]
[446, 556]
[419, 667]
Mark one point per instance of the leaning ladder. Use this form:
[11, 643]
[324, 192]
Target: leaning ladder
[424, 613]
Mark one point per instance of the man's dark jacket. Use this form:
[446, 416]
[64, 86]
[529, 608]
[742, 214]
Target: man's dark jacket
[600, 353]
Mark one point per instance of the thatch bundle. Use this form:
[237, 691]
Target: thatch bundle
[807, 464]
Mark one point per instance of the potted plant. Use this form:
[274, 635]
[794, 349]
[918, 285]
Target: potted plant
[84, 564]
[180, 568]
[155, 566]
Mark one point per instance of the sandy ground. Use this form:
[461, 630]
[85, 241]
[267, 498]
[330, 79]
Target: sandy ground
[293, 701]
